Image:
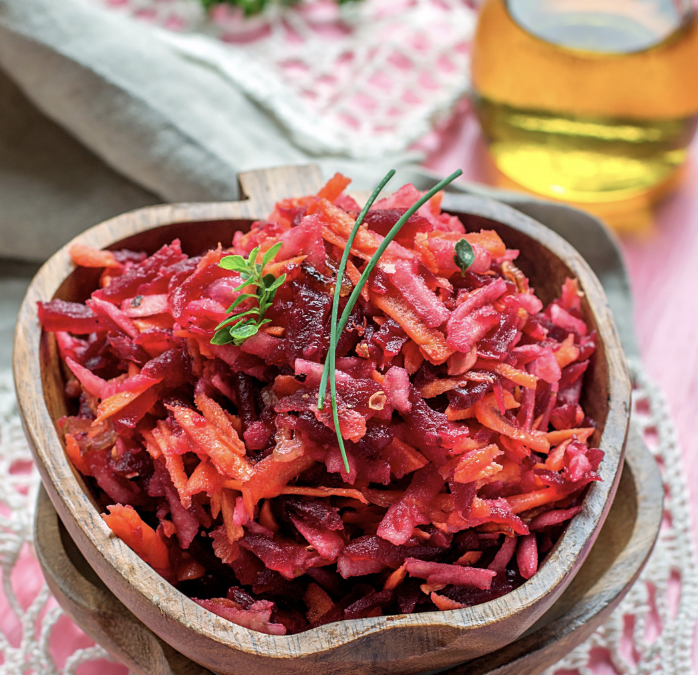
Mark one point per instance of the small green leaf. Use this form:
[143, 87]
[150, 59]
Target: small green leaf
[241, 327]
[252, 310]
[465, 256]
[244, 284]
[252, 258]
[222, 337]
[278, 282]
[265, 302]
[271, 253]
[240, 299]
[242, 331]
[226, 322]
[236, 263]
[232, 319]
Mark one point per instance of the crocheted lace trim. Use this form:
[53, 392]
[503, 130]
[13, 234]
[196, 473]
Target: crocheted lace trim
[651, 631]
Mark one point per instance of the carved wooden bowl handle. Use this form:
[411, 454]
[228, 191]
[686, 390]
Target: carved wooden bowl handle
[265, 187]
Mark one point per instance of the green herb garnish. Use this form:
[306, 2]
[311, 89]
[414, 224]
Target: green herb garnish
[329, 368]
[252, 7]
[465, 256]
[237, 328]
[337, 327]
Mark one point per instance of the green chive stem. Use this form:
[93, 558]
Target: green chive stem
[385, 243]
[337, 329]
[337, 289]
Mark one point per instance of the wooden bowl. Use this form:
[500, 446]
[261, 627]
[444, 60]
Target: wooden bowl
[614, 563]
[382, 645]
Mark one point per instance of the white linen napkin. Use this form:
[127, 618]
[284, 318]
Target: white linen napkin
[148, 122]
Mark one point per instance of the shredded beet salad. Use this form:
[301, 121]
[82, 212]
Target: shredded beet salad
[457, 398]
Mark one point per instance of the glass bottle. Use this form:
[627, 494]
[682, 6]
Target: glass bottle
[587, 100]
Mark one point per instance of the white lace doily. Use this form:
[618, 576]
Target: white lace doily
[364, 80]
[652, 629]
[650, 632]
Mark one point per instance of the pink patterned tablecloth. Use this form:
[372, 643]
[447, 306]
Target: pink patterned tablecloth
[662, 264]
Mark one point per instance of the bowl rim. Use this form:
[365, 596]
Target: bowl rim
[67, 492]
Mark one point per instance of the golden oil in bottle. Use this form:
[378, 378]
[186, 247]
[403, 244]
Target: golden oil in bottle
[587, 100]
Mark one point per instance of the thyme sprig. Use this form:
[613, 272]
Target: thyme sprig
[338, 327]
[237, 328]
[252, 7]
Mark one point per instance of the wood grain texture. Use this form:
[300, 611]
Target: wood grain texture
[90, 604]
[396, 644]
[613, 565]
